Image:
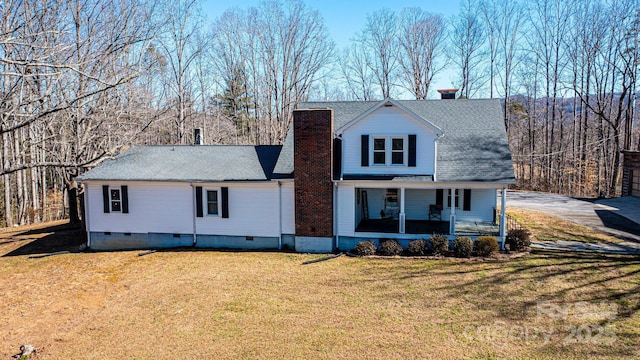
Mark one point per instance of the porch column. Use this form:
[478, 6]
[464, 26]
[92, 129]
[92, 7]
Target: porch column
[401, 215]
[503, 217]
[452, 212]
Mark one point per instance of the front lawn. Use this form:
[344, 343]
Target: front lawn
[248, 305]
[548, 228]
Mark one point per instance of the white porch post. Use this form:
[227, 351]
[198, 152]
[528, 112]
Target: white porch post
[503, 217]
[401, 216]
[452, 212]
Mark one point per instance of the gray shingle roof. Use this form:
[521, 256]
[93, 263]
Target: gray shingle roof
[189, 163]
[474, 146]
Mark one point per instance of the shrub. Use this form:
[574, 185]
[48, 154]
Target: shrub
[486, 245]
[518, 239]
[417, 247]
[390, 247]
[364, 248]
[439, 244]
[463, 246]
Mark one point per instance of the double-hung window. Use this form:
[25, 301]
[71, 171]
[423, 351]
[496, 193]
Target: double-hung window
[397, 151]
[389, 150]
[379, 151]
[212, 202]
[116, 200]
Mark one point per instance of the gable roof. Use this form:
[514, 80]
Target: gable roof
[474, 146]
[189, 163]
[390, 102]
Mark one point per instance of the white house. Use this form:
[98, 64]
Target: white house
[348, 171]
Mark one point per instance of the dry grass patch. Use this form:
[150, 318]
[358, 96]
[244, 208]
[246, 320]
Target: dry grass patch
[548, 228]
[252, 305]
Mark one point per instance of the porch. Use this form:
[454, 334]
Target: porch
[425, 211]
[389, 226]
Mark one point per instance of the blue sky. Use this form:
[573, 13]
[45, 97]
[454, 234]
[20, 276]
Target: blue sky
[345, 18]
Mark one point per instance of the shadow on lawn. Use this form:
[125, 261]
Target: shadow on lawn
[63, 237]
[589, 277]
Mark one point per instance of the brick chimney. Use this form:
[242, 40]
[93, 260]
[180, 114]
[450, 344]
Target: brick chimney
[313, 143]
[446, 94]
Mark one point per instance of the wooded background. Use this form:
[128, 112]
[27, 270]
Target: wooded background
[83, 80]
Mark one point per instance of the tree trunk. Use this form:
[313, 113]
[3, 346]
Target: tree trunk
[72, 197]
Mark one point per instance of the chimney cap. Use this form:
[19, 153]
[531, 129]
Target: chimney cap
[447, 91]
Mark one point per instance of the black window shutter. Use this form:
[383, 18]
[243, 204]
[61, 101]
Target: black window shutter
[466, 204]
[439, 197]
[412, 150]
[199, 201]
[105, 198]
[364, 150]
[337, 158]
[125, 198]
[225, 202]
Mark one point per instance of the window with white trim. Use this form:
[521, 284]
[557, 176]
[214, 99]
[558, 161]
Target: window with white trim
[389, 150]
[379, 152]
[115, 199]
[397, 151]
[212, 203]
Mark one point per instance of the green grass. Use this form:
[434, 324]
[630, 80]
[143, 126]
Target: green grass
[252, 305]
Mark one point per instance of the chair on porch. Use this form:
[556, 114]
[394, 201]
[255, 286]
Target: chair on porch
[435, 212]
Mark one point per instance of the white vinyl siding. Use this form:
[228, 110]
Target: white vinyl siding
[288, 208]
[153, 207]
[253, 211]
[163, 207]
[377, 125]
[346, 209]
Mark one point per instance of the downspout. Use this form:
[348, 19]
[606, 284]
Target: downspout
[193, 212]
[279, 215]
[336, 217]
[435, 156]
[335, 184]
[86, 215]
[341, 160]
[503, 217]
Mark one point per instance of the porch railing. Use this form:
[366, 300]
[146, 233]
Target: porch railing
[512, 223]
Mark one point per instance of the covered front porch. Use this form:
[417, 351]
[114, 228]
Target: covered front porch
[426, 211]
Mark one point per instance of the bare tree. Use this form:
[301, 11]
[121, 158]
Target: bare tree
[182, 46]
[468, 37]
[379, 41]
[283, 48]
[61, 64]
[355, 68]
[421, 39]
